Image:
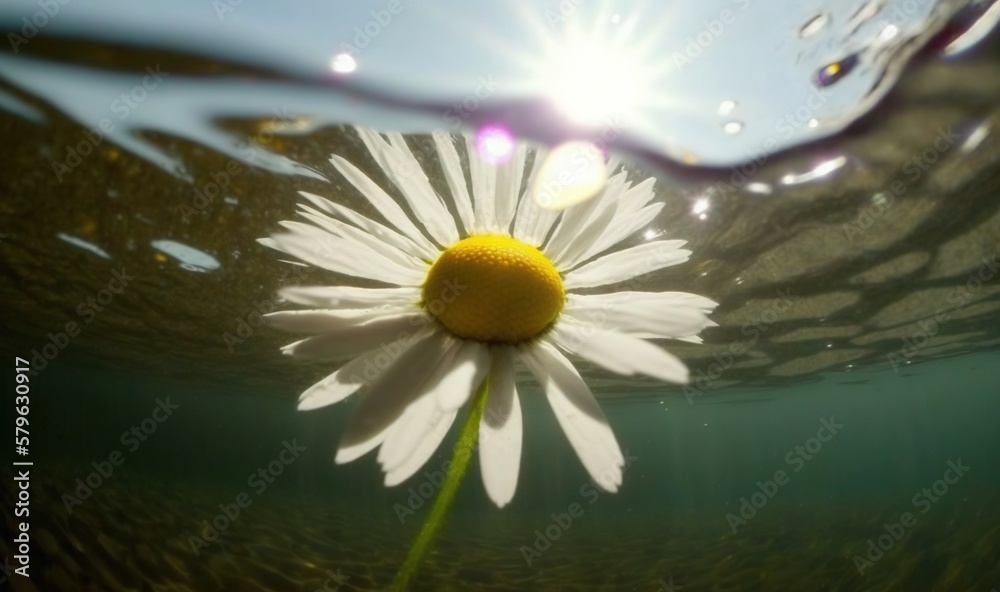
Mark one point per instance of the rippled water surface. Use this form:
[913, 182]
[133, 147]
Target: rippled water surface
[839, 429]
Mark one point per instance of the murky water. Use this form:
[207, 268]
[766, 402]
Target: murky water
[838, 432]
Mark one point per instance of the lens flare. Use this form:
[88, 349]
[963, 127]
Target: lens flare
[495, 144]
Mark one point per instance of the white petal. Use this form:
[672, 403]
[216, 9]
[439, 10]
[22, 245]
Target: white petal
[381, 201]
[603, 231]
[578, 414]
[350, 341]
[322, 249]
[405, 172]
[424, 250]
[627, 264]
[575, 218]
[321, 321]
[604, 212]
[588, 235]
[376, 244]
[360, 371]
[531, 223]
[420, 417]
[467, 370]
[459, 372]
[642, 314]
[501, 431]
[453, 174]
[621, 227]
[484, 181]
[613, 163]
[705, 305]
[269, 243]
[423, 451]
[389, 397]
[509, 187]
[618, 352]
[349, 296]
[635, 198]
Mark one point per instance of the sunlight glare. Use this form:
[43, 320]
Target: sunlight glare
[591, 82]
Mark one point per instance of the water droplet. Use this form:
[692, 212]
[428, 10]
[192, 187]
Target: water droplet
[190, 258]
[814, 25]
[733, 127]
[834, 71]
[726, 107]
[343, 63]
[864, 13]
[888, 32]
[758, 187]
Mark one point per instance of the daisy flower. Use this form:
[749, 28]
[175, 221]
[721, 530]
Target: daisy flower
[468, 285]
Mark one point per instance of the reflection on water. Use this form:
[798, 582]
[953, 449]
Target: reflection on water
[857, 282]
[650, 77]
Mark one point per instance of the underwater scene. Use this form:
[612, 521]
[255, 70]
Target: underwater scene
[560, 295]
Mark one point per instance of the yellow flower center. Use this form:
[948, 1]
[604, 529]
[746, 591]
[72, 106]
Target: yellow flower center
[494, 289]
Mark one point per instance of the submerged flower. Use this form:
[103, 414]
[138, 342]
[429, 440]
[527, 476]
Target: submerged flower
[480, 281]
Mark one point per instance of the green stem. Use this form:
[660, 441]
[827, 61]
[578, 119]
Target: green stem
[460, 458]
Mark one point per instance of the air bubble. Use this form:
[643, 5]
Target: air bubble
[814, 25]
[733, 127]
[726, 107]
[834, 71]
